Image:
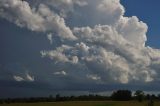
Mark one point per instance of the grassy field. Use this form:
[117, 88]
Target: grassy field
[83, 103]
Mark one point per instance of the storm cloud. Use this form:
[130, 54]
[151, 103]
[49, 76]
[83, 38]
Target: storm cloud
[95, 42]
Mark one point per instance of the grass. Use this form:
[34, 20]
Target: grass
[85, 103]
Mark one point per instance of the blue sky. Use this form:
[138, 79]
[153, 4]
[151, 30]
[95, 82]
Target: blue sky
[78, 46]
[147, 11]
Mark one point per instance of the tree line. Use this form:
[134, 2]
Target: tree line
[119, 95]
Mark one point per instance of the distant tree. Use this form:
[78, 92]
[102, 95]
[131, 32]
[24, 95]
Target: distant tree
[151, 100]
[122, 95]
[158, 96]
[72, 98]
[58, 98]
[147, 97]
[153, 96]
[139, 95]
[50, 98]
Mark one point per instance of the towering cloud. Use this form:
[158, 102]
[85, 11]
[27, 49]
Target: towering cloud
[98, 44]
[133, 30]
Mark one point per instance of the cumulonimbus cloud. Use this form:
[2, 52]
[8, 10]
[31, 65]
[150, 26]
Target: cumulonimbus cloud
[105, 44]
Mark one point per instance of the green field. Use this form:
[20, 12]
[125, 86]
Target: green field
[84, 103]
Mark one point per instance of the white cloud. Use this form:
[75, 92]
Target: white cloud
[57, 54]
[60, 73]
[49, 36]
[26, 77]
[18, 78]
[107, 54]
[40, 19]
[104, 12]
[110, 7]
[74, 59]
[107, 46]
[133, 30]
[29, 77]
[22, 14]
[64, 6]
[93, 77]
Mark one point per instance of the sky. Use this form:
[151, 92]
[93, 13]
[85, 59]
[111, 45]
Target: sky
[147, 11]
[77, 47]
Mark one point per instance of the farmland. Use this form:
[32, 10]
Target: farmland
[85, 103]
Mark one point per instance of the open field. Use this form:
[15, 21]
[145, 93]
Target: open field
[84, 103]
